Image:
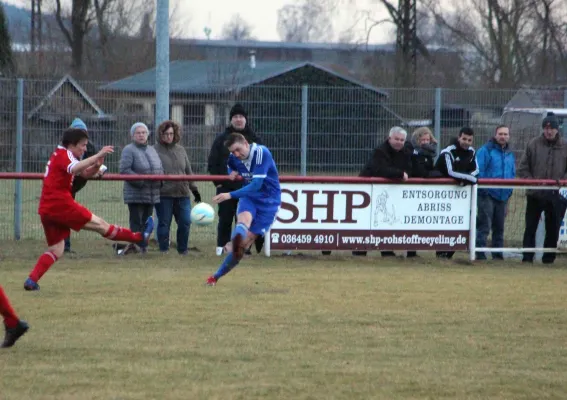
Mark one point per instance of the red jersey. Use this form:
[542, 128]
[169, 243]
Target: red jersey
[57, 181]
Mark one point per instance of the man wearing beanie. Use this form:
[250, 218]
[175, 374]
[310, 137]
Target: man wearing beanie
[217, 165]
[79, 182]
[545, 158]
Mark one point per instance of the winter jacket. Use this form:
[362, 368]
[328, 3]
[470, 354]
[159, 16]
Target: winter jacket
[386, 162]
[458, 163]
[544, 160]
[218, 156]
[494, 161]
[424, 161]
[139, 159]
[175, 161]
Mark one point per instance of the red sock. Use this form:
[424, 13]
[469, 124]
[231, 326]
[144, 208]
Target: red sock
[119, 234]
[43, 264]
[6, 310]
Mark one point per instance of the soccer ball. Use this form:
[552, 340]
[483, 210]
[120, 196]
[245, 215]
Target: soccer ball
[202, 214]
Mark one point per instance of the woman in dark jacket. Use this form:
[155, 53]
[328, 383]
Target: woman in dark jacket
[425, 150]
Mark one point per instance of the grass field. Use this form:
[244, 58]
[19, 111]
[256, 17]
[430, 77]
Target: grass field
[295, 327]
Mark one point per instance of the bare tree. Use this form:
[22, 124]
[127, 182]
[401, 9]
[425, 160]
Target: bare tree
[306, 21]
[237, 29]
[146, 31]
[96, 30]
[7, 65]
[550, 18]
[506, 42]
[80, 24]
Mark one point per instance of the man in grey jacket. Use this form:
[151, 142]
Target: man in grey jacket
[545, 158]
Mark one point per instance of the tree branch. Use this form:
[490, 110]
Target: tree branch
[61, 24]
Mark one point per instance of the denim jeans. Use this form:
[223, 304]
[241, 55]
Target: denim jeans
[180, 209]
[490, 216]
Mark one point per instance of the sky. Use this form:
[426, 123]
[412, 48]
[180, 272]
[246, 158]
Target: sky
[262, 16]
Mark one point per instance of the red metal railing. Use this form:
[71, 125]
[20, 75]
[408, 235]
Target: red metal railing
[301, 179]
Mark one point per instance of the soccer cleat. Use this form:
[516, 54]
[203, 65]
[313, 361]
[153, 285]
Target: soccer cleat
[219, 251]
[211, 281]
[237, 248]
[13, 334]
[30, 285]
[148, 229]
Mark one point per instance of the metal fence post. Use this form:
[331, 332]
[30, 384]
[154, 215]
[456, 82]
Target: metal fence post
[19, 158]
[162, 63]
[304, 126]
[437, 122]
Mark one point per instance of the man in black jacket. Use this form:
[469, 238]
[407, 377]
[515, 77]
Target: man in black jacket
[393, 159]
[458, 161]
[217, 165]
[80, 182]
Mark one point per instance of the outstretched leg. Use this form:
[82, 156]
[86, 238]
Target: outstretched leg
[242, 238]
[56, 234]
[14, 327]
[118, 233]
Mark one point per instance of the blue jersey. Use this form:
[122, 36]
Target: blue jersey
[260, 174]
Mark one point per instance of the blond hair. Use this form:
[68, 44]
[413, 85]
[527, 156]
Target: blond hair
[421, 132]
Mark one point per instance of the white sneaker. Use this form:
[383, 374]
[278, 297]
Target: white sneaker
[219, 251]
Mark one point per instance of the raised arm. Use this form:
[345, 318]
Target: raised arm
[83, 165]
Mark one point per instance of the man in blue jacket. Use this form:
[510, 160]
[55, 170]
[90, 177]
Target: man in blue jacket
[495, 160]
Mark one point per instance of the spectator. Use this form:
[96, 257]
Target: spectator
[424, 151]
[545, 158]
[138, 158]
[80, 182]
[458, 161]
[217, 165]
[393, 159]
[495, 160]
[174, 195]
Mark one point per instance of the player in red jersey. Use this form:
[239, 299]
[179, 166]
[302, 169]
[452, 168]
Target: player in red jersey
[14, 326]
[60, 213]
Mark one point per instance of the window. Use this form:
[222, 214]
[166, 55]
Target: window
[194, 114]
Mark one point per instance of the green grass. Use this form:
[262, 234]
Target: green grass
[299, 327]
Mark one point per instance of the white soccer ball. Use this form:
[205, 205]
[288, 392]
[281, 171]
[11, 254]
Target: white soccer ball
[202, 214]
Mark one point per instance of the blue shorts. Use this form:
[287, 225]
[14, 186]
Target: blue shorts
[262, 216]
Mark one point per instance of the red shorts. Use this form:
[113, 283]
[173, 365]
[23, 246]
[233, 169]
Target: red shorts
[58, 222]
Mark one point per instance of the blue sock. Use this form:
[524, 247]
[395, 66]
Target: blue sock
[241, 230]
[227, 265]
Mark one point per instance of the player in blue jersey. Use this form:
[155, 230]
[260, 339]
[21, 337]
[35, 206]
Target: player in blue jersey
[259, 198]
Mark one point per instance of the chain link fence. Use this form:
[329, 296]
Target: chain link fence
[311, 130]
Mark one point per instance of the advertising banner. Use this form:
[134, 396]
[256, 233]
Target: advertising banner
[372, 217]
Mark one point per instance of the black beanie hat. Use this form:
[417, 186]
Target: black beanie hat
[551, 121]
[237, 109]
